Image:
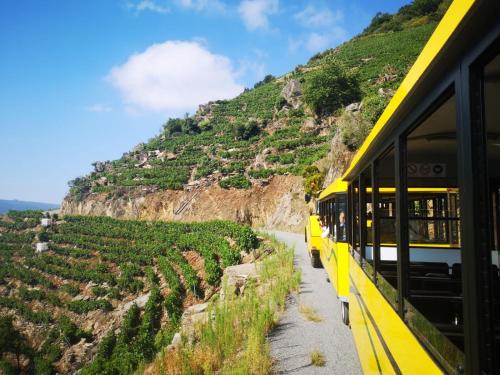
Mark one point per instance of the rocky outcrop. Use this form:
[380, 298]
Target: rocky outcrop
[292, 92]
[277, 204]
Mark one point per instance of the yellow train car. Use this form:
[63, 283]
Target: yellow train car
[415, 262]
[327, 240]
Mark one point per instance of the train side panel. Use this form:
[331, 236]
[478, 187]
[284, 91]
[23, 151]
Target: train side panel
[313, 234]
[384, 343]
[335, 259]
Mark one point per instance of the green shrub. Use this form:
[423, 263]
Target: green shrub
[71, 289]
[379, 19]
[313, 180]
[246, 131]
[70, 332]
[238, 182]
[373, 106]
[261, 173]
[186, 125]
[82, 307]
[268, 78]
[353, 129]
[330, 88]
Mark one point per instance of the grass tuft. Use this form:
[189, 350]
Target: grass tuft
[234, 341]
[309, 313]
[317, 358]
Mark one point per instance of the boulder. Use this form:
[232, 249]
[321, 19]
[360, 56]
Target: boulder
[192, 316]
[102, 166]
[237, 278]
[387, 93]
[75, 357]
[139, 301]
[353, 107]
[292, 92]
[101, 181]
[177, 340]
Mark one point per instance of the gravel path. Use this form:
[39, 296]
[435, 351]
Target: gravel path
[293, 340]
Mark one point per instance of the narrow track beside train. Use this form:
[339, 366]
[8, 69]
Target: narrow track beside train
[296, 337]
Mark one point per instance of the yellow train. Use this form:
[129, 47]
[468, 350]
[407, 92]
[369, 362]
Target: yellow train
[410, 235]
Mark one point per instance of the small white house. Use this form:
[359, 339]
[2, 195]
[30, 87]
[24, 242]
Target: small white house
[42, 247]
[46, 222]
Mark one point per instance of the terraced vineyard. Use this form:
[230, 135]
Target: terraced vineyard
[105, 287]
[263, 132]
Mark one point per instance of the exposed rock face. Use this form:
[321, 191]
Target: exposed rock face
[192, 316]
[278, 204]
[292, 92]
[75, 357]
[337, 160]
[387, 93]
[102, 166]
[237, 277]
[353, 107]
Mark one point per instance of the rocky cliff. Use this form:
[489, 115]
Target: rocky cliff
[274, 203]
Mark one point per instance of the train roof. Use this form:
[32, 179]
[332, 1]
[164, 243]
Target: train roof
[462, 24]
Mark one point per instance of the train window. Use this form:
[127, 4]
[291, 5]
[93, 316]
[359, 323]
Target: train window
[491, 95]
[386, 213]
[367, 254]
[433, 217]
[355, 219]
[434, 302]
[331, 216]
[340, 218]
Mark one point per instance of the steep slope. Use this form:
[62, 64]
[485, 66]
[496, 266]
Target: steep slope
[264, 140]
[81, 298]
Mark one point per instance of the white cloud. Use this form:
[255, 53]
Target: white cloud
[200, 5]
[175, 76]
[318, 18]
[149, 5]
[327, 32]
[99, 108]
[255, 13]
[317, 42]
[251, 70]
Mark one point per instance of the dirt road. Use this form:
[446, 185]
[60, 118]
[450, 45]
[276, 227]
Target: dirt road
[296, 337]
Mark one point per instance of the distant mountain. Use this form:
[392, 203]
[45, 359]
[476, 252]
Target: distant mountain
[6, 205]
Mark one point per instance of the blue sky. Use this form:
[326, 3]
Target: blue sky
[82, 81]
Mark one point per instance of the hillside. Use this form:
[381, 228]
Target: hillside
[317, 114]
[6, 205]
[62, 307]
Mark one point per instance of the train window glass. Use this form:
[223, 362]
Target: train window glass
[367, 255]
[433, 217]
[434, 304]
[340, 229]
[491, 99]
[355, 220]
[331, 216]
[386, 212]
